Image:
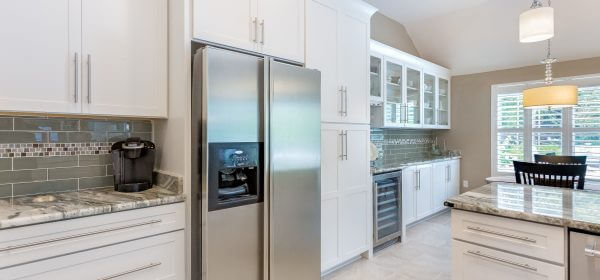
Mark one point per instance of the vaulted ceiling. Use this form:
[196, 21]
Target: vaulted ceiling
[473, 36]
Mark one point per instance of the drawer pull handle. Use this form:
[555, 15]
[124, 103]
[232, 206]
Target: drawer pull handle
[513, 263]
[151, 265]
[522, 238]
[78, 235]
[590, 252]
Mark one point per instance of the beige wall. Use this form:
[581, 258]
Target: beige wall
[471, 112]
[392, 33]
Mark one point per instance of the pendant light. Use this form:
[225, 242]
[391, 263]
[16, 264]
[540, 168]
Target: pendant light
[550, 96]
[537, 23]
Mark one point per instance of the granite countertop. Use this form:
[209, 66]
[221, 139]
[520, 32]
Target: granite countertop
[578, 209]
[410, 162]
[36, 209]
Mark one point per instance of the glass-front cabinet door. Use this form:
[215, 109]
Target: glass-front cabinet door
[412, 114]
[376, 70]
[429, 94]
[443, 108]
[393, 94]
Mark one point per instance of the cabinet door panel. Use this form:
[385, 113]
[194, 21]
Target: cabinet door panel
[227, 22]
[424, 206]
[353, 170]
[330, 155]
[125, 54]
[354, 224]
[454, 182]
[408, 195]
[283, 33]
[353, 65]
[330, 221]
[439, 182]
[321, 50]
[39, 42]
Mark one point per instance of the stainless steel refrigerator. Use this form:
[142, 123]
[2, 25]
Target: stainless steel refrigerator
[256, 168]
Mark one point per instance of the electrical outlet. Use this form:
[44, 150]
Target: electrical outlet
[465, 184]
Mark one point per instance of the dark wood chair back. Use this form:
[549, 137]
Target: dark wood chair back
[568, 160]
[553, 175]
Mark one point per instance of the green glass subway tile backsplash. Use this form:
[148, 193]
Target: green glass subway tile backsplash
[49, 154]
[397, 146]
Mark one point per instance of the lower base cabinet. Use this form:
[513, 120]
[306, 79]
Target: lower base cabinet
[156, 257]
[473, 262]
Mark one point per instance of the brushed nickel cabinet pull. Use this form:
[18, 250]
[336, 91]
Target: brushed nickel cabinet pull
[76, 77]
[262, 31]
[14, 247]
[522, 238]
[345, 88]
[254, 34]
[151, 265]
[342, 144]
[346, 145]
[89, 85]
[513, 263]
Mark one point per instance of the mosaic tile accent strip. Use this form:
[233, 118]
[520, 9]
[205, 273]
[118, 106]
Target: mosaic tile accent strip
[53, 149]
[50, 154]
[397, 146]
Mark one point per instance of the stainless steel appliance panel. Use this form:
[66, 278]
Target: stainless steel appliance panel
[235, 243]
[294, 178]
[233, 85]
[584, 256]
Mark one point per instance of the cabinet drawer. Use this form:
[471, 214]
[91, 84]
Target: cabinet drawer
[156, 257]
[525, 238]
[472, 262]
[31, 243]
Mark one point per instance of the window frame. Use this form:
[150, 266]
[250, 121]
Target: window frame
[567, 129]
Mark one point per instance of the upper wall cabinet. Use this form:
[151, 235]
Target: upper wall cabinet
[124, 47]
[337, 44]
[39, 57]
[100, 57]
[272, 27]
[407, 91]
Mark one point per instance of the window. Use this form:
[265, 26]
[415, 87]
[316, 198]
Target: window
[518, 134]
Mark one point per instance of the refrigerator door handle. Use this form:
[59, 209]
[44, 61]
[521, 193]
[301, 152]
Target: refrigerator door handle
[268, 175]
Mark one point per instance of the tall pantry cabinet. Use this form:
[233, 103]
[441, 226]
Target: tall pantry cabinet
[337, 44]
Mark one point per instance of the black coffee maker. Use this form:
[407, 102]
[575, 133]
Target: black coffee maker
[133, 164]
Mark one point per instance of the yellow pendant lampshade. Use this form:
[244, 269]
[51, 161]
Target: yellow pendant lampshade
[550, 96]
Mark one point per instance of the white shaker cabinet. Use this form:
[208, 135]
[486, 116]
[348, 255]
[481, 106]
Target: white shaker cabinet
[228, 22]
[453, 186]
[98, 57]
[272, 27]
[424, 191]
[282, 28]
[426, 187]
[346, 193]
[124, 48]
[409, 185]
[40, 55]
[440, 184]
[337, 44]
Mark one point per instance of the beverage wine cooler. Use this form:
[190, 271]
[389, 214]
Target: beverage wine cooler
[387, 221]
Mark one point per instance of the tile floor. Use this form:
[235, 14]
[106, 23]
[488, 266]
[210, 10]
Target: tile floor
[426, 255]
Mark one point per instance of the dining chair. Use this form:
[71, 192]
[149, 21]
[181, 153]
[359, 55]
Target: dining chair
[553, 175]
[552, 159]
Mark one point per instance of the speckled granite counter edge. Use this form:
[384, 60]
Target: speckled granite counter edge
[25, 211]
[376, 171]
[455, 203]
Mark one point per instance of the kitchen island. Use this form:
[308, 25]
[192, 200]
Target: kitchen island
[511, 231]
